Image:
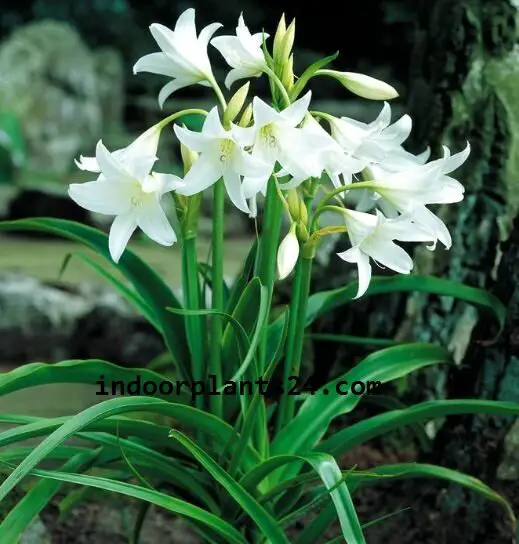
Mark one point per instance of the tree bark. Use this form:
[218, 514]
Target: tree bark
[464, 81]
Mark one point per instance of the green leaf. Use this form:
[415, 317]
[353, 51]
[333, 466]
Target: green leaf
[31, 504]
[349, 339]
[81, 371]
[206, 271]
[202, 421]
[249, 300]
[131, 296]
[298, 88]
[177, 506]
[265, 522]
[326, 301]
[316, 413]
[329, 472]
[243, 279]
[418, 470]
[147, 283]
[347, 439]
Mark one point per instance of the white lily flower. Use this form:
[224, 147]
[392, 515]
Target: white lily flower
[371, 142]
[220, 157]
[144, 147]
[274, 137]
[411, 190]
[243, 53]
[372, 236]
[334, 160]
[288, 253]
[183, 57]
[127, 189]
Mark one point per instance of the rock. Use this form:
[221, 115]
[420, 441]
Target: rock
[46, 202]
[49, 323]
[64, 95]
[49, 82]
[36, 533]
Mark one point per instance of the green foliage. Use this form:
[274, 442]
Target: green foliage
[230, 486]
[12, 147]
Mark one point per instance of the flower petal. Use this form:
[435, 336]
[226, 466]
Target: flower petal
[175, 85]
[355, 255]
[105, 197]
[120, 233]
[234, 190]
[155, 63]
[207, 33]
[204, 172]
[195, 141]
[88, 163]
[296, 112]
[153, 222]
[239, 73]
[110, 167]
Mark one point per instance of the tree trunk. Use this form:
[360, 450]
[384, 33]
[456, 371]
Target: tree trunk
[464, 86]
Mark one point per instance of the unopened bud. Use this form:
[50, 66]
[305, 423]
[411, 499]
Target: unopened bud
[278, 40]
[246, 117]
[235, 104]
[293, 204]
[288, 253]
[188, 157]
[288, 73]
[288, 42]
[362, 85]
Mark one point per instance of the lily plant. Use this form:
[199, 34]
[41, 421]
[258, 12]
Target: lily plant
[240, 465]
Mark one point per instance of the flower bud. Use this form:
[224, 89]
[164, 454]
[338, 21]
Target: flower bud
[288, 253]
[188, 157]
[288, 73]
[278, 40]
[235, 104]
[362, 85]
[246, 117]
[288, 42]
[293, 204]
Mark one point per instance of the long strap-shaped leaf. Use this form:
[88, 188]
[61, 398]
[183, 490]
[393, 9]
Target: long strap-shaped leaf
[82, 371]
[311, 422]
[384, 473]
[330, 474]
[326, 301]
[347, 439]
[265, 522]
[206, 423]
[31, 504]
[177, 506]
[148, 284]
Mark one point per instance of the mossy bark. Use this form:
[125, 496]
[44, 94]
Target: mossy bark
[465, 86]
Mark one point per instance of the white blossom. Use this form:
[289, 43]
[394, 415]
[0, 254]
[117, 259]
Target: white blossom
[221, 156]
[127, 189]
[372, 237]
[184, 54]
[243, 53]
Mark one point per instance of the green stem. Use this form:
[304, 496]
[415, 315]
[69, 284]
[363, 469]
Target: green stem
[277, 82]
[194, 324]
[295, 337]
[265, 269]
[215, 367]
[267, 251]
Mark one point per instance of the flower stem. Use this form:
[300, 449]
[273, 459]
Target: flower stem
[295, 337]
[217, 289]
[265, 270]
[194, 324]
[267, 251]
[277, 82]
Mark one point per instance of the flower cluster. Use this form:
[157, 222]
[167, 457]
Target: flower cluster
[318, 162]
